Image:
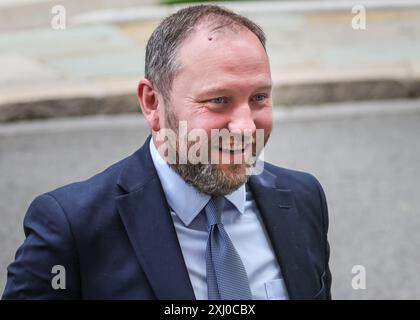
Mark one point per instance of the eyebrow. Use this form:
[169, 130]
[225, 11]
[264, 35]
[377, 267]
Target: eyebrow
[220, 90]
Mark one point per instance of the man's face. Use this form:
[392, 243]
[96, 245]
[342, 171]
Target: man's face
[224, 83]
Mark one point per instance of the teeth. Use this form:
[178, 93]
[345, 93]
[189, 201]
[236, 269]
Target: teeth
[233, 148]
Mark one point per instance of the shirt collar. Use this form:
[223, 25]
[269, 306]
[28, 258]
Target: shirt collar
[185, 200]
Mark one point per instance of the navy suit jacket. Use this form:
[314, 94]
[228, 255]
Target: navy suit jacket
[114, 236]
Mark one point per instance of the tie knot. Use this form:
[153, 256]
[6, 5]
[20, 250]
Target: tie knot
[214, 209]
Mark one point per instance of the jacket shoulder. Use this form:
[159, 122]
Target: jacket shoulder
[99, 185]
[293, 179]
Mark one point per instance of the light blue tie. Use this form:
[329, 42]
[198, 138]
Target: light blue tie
[226, 275]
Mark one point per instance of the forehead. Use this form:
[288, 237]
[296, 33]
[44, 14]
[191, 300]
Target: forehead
[224, 57]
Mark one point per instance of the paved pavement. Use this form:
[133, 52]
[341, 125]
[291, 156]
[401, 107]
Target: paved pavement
[365, 155]
[93, 65]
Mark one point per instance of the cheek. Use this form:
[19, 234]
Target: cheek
[206, 122]
[264, 121]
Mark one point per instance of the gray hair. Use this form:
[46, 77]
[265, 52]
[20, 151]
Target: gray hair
[161, 65]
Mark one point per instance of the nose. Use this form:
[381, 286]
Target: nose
[241, 120]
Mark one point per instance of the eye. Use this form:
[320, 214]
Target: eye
[218, 100]
[259, 97]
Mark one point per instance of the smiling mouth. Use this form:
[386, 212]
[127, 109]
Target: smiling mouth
[237, 149]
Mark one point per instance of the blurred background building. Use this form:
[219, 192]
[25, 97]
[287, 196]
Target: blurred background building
[346, 86]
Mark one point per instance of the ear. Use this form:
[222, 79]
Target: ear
[149, 103]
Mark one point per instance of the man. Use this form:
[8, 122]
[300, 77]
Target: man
[154, 226]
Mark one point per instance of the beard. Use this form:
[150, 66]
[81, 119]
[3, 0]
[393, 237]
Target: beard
[208, 178]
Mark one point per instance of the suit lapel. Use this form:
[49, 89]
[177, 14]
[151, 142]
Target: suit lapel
[146, 218]
[283, 224]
